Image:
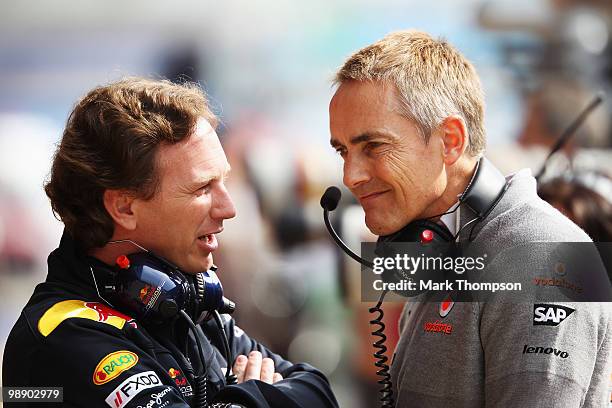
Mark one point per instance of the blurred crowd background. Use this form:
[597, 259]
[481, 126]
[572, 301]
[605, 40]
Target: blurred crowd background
[267, 67]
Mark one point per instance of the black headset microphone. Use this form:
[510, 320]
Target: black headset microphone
[329, 202]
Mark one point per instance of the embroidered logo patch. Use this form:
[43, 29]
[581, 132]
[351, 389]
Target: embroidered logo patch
[181, 382]
[70, 309]
[112, 365]
[178, 378]
[132, 386]
[438, 327]
[550, 315]
[445, 306]
[545, 350]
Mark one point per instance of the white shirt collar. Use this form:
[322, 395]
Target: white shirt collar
[452, 220]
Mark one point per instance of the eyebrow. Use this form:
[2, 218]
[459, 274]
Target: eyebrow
[223, 176]
[364, 137]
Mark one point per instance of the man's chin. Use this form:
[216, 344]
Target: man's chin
[209, 263]
[380, 228]
[200, 265]
[377, 228]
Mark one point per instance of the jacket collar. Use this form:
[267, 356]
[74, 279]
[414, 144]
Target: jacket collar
[70, 268]
[521, 188]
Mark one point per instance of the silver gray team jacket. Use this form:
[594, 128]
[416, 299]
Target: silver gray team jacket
[498, 354]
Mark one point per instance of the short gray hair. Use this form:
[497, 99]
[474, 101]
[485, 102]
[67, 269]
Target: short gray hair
[433, 79]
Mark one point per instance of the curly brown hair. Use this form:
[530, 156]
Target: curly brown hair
[110, 142]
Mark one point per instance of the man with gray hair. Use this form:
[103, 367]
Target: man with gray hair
[407, 119]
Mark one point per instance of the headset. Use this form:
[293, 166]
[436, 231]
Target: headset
[153, 290]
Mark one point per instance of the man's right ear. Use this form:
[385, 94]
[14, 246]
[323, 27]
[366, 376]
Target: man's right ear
[118, 203]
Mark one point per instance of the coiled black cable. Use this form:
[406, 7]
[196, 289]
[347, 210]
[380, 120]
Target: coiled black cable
[386, 391]
[200, 397]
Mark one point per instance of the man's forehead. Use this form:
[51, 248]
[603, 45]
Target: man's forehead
[359, 112]
[203, 125]
[200, 156]
[375, 94]
[219, 168]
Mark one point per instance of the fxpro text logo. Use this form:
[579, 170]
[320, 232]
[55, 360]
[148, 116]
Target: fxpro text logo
[131, 387]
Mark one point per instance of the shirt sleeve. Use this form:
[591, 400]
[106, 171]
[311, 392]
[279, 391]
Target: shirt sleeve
[302, 386]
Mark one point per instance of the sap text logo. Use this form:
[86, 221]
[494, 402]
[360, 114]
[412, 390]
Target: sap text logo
[550, 315]
[112, 365]
[131, 387]
[541, 350]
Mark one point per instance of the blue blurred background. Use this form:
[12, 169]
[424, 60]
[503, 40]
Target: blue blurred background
[267, 67]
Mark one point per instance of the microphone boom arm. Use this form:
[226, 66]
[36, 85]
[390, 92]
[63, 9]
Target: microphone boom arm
[341, 244]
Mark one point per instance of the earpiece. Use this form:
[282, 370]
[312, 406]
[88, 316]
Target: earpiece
[152, 289]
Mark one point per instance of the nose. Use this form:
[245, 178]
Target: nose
[222, 206]
[355, 171]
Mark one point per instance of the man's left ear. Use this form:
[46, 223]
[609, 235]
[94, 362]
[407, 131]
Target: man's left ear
[119, 205]
[455, 138]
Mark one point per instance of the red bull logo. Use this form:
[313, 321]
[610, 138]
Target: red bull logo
[174, 373]
[73, 309]
[144, 294]
[148, 295]
[178, 378]
[104, 312]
